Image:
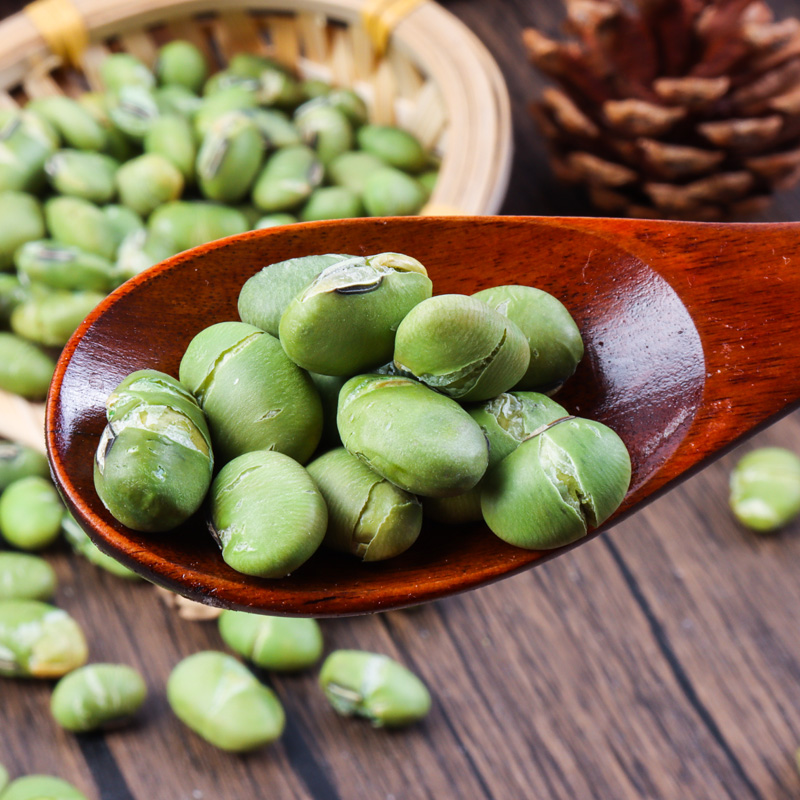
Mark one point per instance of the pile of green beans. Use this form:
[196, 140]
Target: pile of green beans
[94, 190]
[399, 403]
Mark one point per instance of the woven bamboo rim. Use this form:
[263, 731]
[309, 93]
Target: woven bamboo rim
[414, 63]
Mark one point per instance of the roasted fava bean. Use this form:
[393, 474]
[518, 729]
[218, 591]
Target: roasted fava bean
[326, 129]
[362, 300]
[431, 447]
[41, 787]
[554, 339]
[63, 266]
[12, 294]
[26, 142]
[511, 417]
[85, 547]
[388, 192]
[353, 169]
[25, 577]
[50, 316]
[38, 640]
[24, 368]
[246, 714]
[147, 182]
[375, 687]
[255, 397]
[30, 513]
[76, 125]
[72, 220]
[154, 460]
[21, 221]
[368, 516]
[124, 69]
[765, 489]
[460, 346]
[189, 224]
[20, 461]
[229, 158]
[331, 202]
[556, 484]
[396, 147]
[266, 514]
[86, 175]
[266, 294]
[172, 138]
[288, 178]
[280, 644]
[180, 63]
[97, 696]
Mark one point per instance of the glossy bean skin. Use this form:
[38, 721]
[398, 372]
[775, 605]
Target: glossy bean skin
[38, 640]
[11, 295]
[331, 202]
[280, 644]
[124, 69]
[30, 513]
[97, 696]
[247, 715]
[375, 687]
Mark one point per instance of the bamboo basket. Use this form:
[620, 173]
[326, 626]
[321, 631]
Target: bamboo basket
[414, 63]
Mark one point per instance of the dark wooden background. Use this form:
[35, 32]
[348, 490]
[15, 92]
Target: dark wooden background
[660, 661]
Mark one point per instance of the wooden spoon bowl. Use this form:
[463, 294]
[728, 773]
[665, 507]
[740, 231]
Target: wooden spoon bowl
[691, 334]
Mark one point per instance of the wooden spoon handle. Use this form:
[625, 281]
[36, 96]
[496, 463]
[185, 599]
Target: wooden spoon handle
[741, 286]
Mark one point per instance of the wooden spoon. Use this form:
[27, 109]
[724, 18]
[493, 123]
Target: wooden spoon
[692, 341]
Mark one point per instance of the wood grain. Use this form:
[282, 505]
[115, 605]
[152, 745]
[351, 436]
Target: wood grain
[661, 661]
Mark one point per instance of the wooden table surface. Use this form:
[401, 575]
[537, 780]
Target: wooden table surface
[659, 661]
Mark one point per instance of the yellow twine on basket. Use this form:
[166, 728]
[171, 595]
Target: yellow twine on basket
[61, 25]
[381, 17]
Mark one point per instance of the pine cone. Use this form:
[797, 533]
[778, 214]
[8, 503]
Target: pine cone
[682, 109]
